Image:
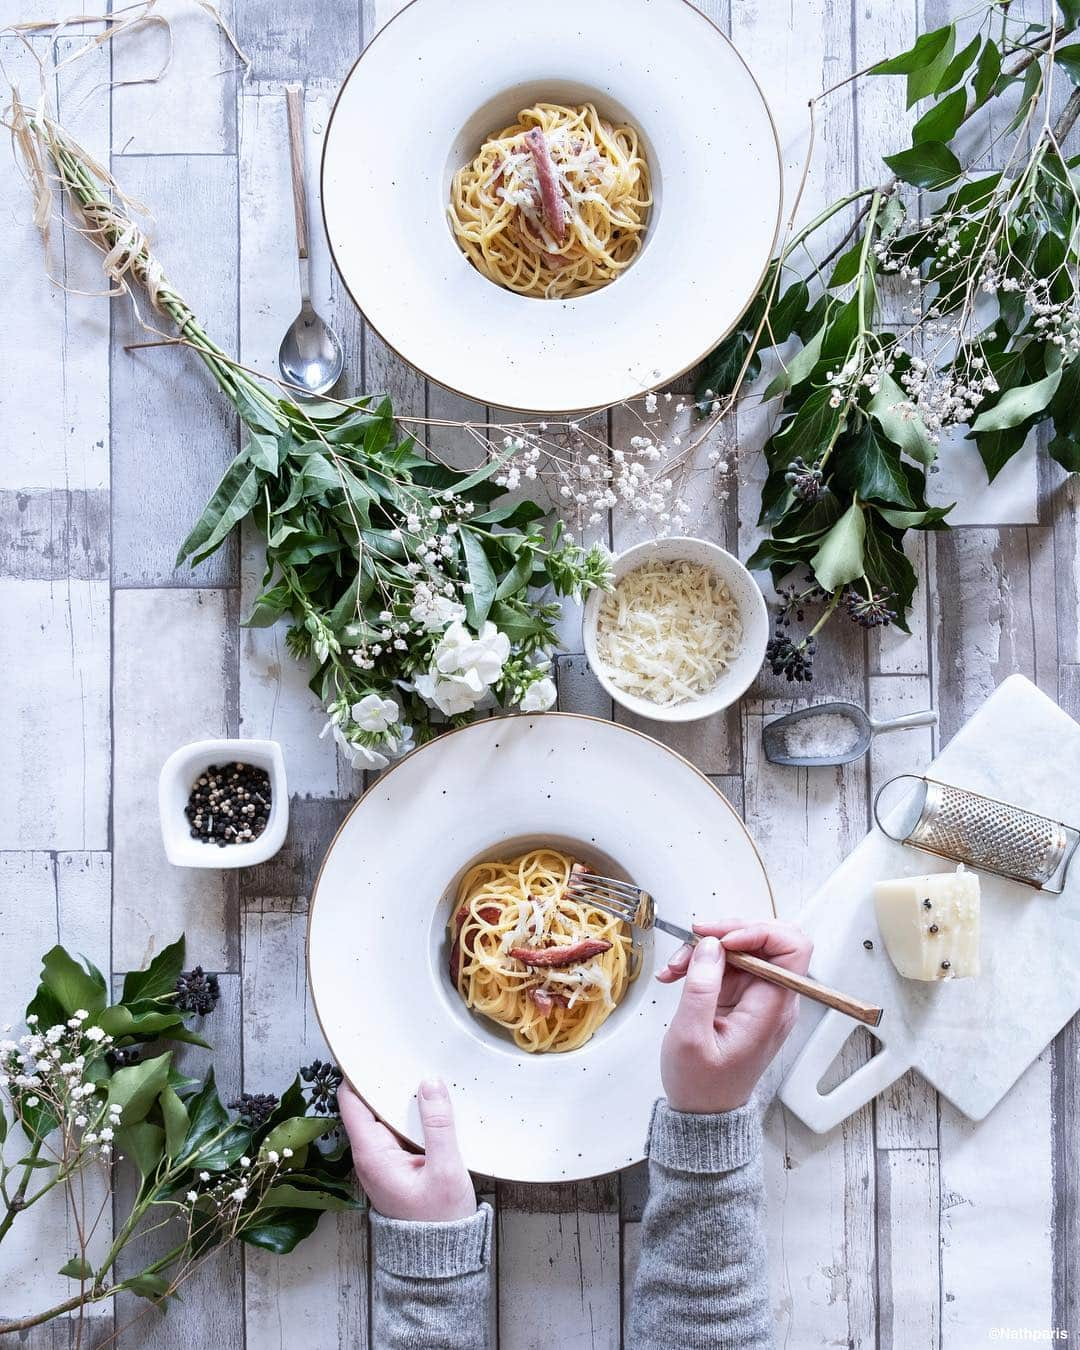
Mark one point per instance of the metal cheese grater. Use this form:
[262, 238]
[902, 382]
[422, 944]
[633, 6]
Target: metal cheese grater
[985, 833]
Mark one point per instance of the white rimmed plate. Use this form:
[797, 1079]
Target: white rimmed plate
[377, 953]
[443, 75]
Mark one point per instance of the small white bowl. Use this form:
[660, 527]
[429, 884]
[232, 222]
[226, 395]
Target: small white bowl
[179, 773]
[755, 621]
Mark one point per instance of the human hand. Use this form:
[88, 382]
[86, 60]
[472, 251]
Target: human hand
[728, 1025]
[433, 1186]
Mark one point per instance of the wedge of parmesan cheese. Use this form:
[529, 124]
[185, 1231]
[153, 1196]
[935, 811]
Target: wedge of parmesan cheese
[930, 925]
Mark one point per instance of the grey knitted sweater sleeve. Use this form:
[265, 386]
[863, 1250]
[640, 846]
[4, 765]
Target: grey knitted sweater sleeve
[702, 1281]
[432, 1283]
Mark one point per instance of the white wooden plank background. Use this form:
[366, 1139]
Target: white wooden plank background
[909, 1228]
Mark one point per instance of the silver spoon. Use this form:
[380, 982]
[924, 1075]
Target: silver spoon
[856, 742]
[310, 355]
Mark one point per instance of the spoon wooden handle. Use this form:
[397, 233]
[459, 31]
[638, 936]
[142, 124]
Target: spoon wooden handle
[294, 102]
[803, 984]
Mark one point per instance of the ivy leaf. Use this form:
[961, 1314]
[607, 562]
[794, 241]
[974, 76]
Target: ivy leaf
[719, 373]
[177, 1121]
[1032, 86]
[1071, 10]
[1018, 404]
[942, 121]
[986, 73]
[959, 65]
[1068, 58]
[297, 1132]
[904, 428]
[74, 987]
[809, 431]
[925, 79]
[847, 266]
[799, 368]
[889, 568]
[137, 1087]
[295, 1197]
[77, 1269]
[870, 465]
[926, 49]
[929, 165]
[839, 556]
[481, 577]
[152, 1287]
[144, 1143]
[159, 978]
[279, 1230]
[1065, 448]
[119, 1021]
[932, 518]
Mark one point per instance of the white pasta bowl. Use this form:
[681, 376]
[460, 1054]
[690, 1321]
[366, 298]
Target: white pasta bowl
[175, 781]
[470, 66]
[378, 955]
[740, 673]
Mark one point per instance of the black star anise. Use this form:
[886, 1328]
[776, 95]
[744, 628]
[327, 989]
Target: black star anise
[795, 660]
[197, 992]
[323, 1081]
[255, 1108]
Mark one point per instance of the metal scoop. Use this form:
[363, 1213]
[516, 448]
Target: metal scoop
[781, 743]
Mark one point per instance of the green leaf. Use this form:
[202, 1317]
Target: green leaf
[870, 467]
[788, 309]
[297, 1132]
[77, 1269]
[839, 557]
[153, 1287]
[959, 65]
[1066, 450]
[119, 1021]
[264, 451]
[925, 80]
[518, 577]
[510, 515]
[137, 1087]
[74, 986]
[3, 1124]
[1068, 58]
[986, 73]
[942, 121]
[809, 431]
[799, 368]
[904, 428]
[996, 448]
[931, 519]
[847, 266]
[319, 476]
[926, 49]
[294, 1197]
[1033, 78]
[177, 1121]
[1071, 10]
[888, 568]
[279, 1230]
[269, 607]
[233, 498]
[255, 414]
[1018, 404]
[159, 978]
[481, 576]
[929, 165]
[144, 1143]
[207, 1116]
[480, 475]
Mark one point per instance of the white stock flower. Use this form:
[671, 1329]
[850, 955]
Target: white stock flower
[461, 652]
[373, 713]
[540, 696]
[451, 694]
[359, 756]
[434, 612]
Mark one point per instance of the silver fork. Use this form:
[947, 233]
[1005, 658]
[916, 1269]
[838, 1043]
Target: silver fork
[637, 908]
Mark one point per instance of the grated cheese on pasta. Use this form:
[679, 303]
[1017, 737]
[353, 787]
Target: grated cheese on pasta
[668, 631]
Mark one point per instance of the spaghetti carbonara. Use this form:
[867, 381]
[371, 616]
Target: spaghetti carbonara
[554, 205]
[528, 955]
[668, 631]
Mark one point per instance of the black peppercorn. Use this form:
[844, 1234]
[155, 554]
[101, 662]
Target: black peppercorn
[868, 944]
[220, 809]
[933, 928]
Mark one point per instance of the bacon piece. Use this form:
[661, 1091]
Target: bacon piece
[545, 1001]
[549, 191]
[489, 913]
[560, 956]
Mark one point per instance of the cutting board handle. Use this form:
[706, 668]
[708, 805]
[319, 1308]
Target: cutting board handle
[823, 1110]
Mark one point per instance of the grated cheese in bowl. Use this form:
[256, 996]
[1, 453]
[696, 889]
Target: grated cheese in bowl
[668, 631]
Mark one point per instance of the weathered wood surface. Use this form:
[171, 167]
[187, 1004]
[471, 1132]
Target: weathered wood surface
[907, 1229]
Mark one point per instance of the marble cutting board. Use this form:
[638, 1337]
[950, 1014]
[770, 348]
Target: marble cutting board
[971, 1039]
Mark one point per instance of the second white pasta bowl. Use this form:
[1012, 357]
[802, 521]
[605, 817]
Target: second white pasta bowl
[740, 673]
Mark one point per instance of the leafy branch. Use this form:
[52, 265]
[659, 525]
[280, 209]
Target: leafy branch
[985, 346]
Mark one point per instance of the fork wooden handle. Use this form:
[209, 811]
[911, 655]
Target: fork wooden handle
[803, 984]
